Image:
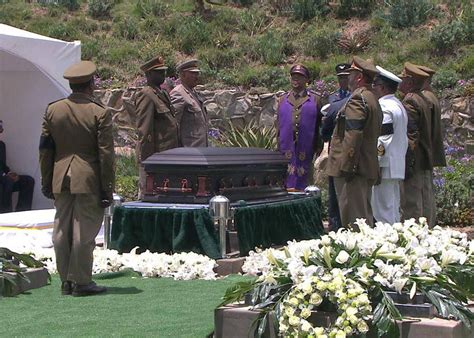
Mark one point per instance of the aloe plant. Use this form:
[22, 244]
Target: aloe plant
[251, 135]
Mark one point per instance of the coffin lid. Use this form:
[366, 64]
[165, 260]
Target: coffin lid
[209, 156]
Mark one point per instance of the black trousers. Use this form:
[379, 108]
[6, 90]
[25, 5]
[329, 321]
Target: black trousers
[25, 186]
[333, 207]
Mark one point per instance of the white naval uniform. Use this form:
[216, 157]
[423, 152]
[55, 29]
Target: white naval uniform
[392, 150]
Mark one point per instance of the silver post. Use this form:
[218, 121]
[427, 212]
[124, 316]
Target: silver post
[219, 209]
[108, 215]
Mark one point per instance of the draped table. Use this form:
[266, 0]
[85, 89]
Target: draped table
[175, 228]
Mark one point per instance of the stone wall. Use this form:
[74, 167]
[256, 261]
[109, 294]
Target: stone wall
[240, 107]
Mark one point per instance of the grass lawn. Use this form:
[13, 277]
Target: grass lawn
[133, 306]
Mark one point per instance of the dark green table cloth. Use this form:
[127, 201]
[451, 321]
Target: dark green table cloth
[181, 230]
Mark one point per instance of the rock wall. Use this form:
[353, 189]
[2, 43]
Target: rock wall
[240, 107]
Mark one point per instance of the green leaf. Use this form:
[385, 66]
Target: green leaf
[237, 292]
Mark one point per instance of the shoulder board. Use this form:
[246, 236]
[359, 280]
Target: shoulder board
[313, 92]
[97, 102]
[56, 101]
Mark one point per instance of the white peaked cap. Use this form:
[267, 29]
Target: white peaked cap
[389, 75]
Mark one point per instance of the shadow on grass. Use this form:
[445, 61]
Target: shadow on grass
[113, 290]
[112, 275]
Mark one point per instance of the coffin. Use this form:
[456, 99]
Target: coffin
[195, 175]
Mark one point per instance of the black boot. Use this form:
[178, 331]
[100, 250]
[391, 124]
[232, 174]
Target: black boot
[90, 289]
[66, 288]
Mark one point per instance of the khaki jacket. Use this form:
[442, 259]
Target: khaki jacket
[419, 132]
[354, 140]
[156, 122]
[191, 116]
[439, 157]
[77, 137]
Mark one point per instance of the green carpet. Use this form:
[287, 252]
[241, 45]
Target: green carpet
[133, 306]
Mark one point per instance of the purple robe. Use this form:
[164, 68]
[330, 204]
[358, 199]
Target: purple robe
[299, 152]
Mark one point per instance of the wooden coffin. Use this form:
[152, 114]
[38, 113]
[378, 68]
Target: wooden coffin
[195, 175]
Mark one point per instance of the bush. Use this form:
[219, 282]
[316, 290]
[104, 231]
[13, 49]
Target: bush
[445, 78]
[63, 31]
[146, 8]
[90, 48]
[447, 37]
[321, 43]
[253, 21]
[407, 13]
[217, 58]
[100, 9]
[273, 78]
[314, 68]
[84, 25]
[307, 9]
[466, 67]
[127, 28]
[271, 48]
[454, 185]
[351, 8]
[191, 34]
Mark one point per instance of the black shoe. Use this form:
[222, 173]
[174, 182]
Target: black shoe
[66, 288]
[90, 289]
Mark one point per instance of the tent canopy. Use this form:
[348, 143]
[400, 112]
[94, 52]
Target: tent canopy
[31, 68]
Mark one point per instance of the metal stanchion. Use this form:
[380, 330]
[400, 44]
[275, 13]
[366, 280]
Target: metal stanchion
[108, 215]
[312, 190]
[219, 209]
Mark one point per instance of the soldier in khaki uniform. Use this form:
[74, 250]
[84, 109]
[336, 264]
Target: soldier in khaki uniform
[156, 121]
[437, 144]
[353, 158]
[416, 201]
[190, 111]
[77, 169]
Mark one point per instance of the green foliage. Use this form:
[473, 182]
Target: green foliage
[407, 13]
[253, 21]
[191, 34]
[153, 8]
[447, 37]
[385, 315]
[314, 68]
[321, 42]
[305, 10]
[126, 177]
[100, 9]
[454, 186]
[71, 5]
[466, 67]
[127, 28]
[90, 48]
[351, 8]
[445, 78]
[84, 25]
[217, 58]
[251, 135]
[272, 78]
[63, 31]
[271, 48]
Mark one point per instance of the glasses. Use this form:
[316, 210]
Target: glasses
[375, 84]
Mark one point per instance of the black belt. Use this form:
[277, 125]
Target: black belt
[387, 129]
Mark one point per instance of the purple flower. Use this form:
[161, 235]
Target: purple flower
[214, 133]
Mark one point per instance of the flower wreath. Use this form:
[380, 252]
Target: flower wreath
[349, 297]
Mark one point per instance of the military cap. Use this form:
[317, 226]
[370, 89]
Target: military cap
[342, 69]
[427, 70]
[80, 72]
[188, 66]
[157, 63]
[363, 66]
[388, 75]
[300, 69]
[411, 70]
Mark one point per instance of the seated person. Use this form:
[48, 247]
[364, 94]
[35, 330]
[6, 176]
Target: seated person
[10, 182]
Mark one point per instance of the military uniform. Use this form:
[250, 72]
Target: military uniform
[156, 120]
[191, 113]
[392, 147]
[417, 196]
[77, 166]
[353, 154]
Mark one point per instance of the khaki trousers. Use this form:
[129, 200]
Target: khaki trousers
[418, 197]
[353, 198]
[76, 225]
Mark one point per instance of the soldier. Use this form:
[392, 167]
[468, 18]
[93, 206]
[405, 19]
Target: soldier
[353, 155]
[416, 201]
[342, 78]
[156, 122]
[437, 146]
[190, 111]
[336, 101]
[392, 148]
[77, 169]
[298, 128]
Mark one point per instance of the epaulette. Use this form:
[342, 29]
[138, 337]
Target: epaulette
[97, 102]
[312, 91]
[53, 102]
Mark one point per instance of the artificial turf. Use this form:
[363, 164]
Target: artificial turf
[133, 306]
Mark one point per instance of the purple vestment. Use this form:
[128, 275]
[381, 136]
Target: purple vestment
[299, 152]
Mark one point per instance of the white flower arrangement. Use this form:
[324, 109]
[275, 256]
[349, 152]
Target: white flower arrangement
[180, 266]
[404, 257]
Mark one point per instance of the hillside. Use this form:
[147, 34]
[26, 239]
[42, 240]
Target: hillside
[253, 43]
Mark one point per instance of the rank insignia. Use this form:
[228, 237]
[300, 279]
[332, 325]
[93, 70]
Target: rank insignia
[301, 171]
[291, 169]
[288, 154]
[380, 150]
[302, 156]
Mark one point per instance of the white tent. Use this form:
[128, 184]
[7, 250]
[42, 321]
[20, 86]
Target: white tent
[31, 68]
